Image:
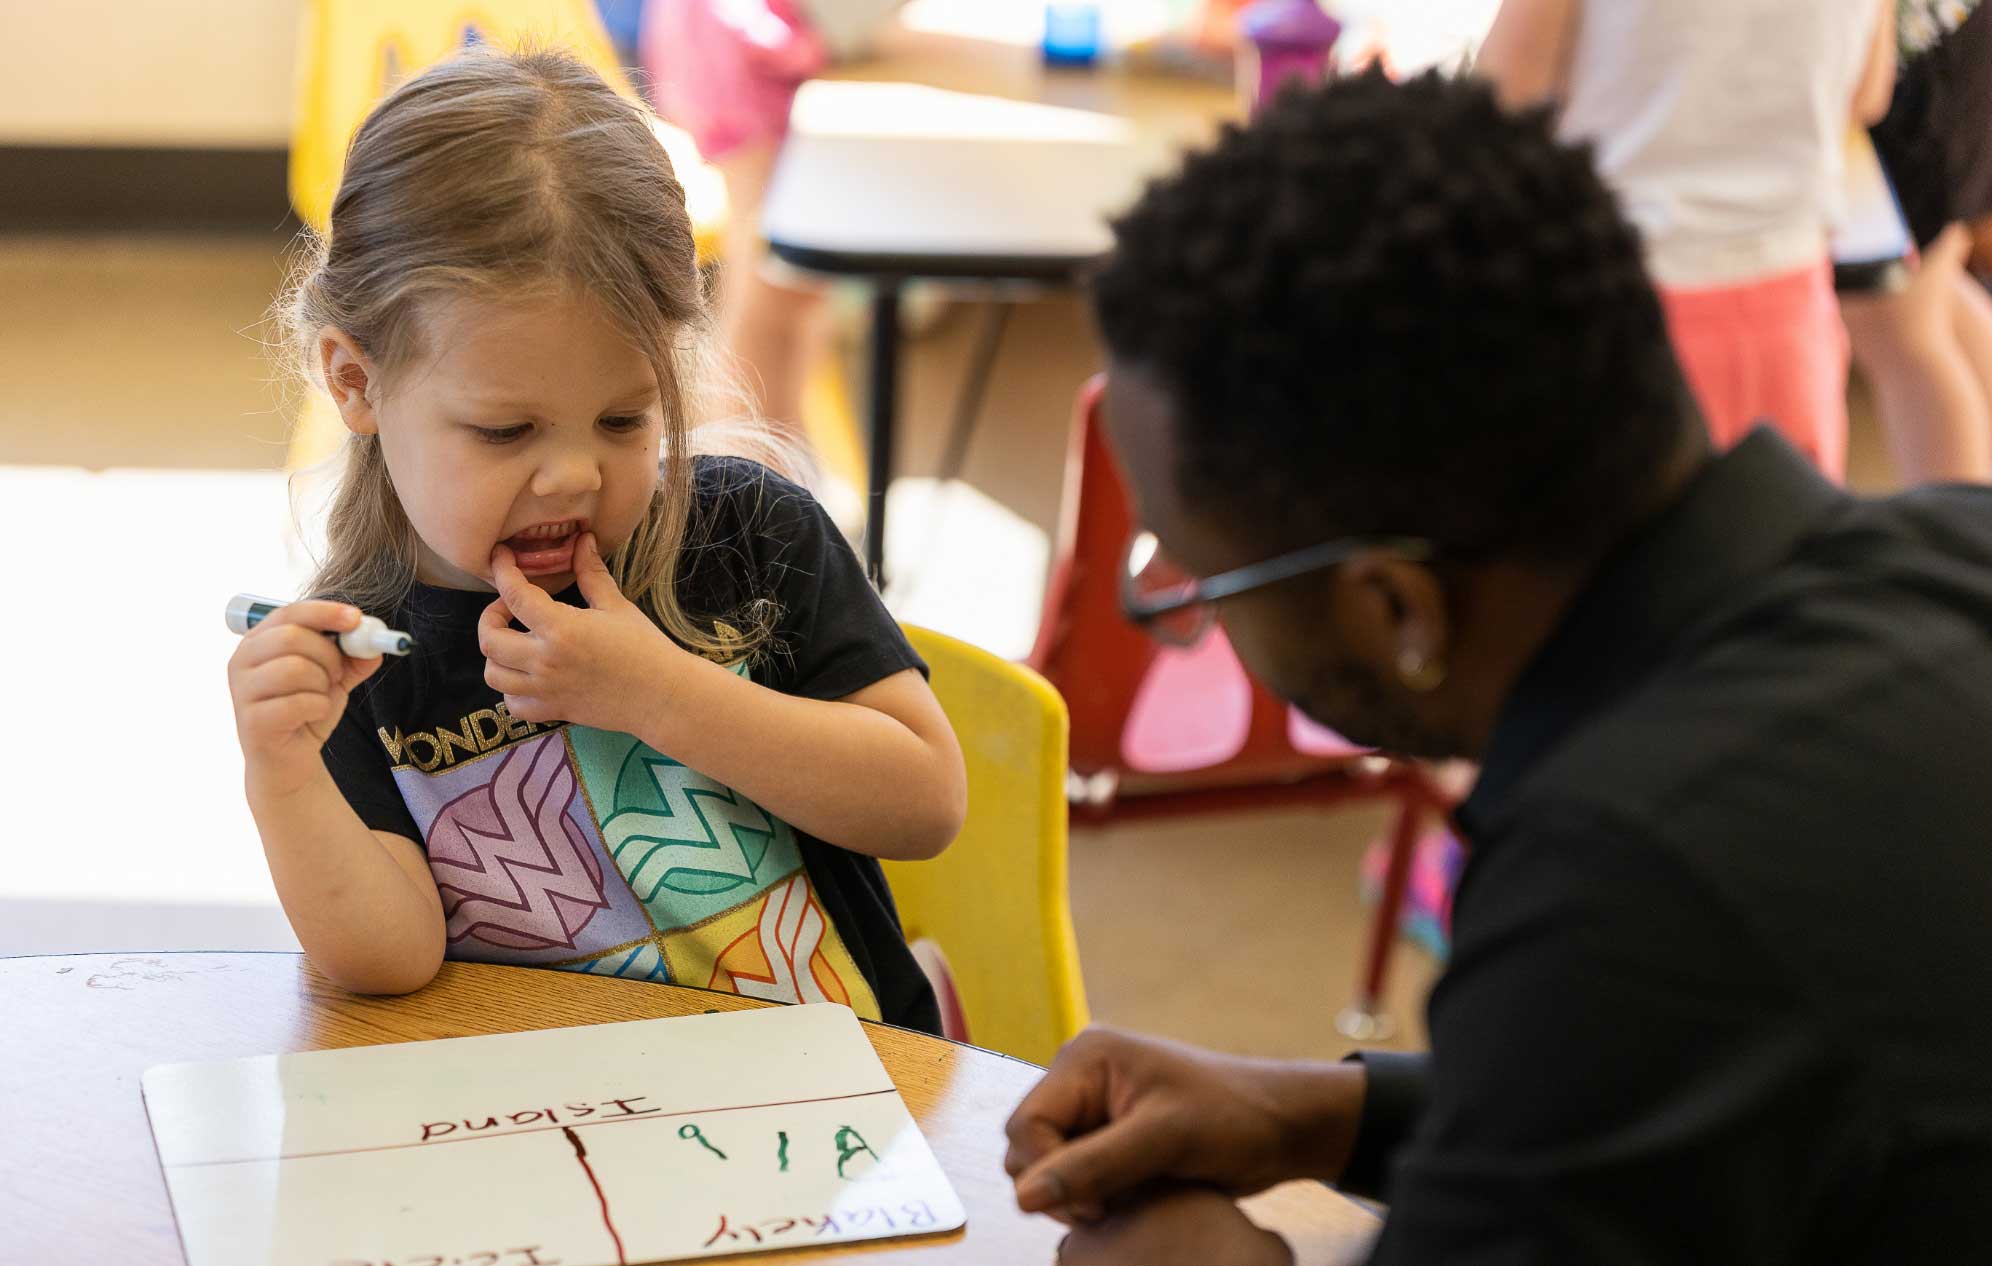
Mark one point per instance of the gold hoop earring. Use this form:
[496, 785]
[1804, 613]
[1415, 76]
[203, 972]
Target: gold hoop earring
[1419, 672]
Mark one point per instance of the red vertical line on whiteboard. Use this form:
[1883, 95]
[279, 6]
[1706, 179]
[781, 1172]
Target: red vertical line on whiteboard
[581, 1154]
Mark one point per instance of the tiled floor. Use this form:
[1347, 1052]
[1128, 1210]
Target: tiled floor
[120, 351]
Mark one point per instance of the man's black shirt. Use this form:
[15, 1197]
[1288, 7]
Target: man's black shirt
[1721, 989]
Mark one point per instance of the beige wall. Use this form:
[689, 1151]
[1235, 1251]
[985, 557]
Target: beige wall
[203, 73]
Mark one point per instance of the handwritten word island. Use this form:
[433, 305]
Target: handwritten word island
[654, 1140]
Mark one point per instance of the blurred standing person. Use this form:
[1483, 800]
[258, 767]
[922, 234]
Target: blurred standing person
[1936, 138]
[727, 71]
[1927, 348]
[1720, 124]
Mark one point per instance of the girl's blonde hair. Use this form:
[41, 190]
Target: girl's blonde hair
[502, 176]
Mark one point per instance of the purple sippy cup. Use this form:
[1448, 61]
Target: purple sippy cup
[1282, 39]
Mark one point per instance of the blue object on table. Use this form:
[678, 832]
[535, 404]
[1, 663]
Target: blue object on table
[1071, 34]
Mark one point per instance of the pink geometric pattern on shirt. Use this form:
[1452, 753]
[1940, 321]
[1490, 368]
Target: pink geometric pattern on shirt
[512, 867]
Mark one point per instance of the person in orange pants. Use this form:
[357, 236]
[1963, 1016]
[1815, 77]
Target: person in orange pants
[1727, 160]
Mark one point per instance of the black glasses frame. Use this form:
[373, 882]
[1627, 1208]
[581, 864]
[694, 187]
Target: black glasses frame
[1146, 610]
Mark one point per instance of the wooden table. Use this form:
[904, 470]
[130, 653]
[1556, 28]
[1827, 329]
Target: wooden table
[80, 1182]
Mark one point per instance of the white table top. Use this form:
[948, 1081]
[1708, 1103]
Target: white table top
[899, 177]
[884, 177]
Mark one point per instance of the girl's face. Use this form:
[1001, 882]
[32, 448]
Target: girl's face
[528, 424]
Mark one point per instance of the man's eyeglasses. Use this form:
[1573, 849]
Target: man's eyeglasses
[1178, 608]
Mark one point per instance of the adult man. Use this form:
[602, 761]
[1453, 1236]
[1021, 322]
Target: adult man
[1388, 376]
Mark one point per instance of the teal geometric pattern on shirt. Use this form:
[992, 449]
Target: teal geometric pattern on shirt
[689, 847]
[642, 962]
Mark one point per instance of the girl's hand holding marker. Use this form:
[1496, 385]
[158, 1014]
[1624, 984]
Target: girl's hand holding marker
[291, 676]
[369, 639]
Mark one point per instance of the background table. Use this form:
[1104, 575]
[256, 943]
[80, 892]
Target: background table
[80, 1181]
[1006, 179]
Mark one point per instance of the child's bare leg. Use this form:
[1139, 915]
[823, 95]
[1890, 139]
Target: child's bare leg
[1971, 317]
[1934, 408]
[773, 332]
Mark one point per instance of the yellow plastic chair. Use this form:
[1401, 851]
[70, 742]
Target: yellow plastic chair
[996, 901]
[352, 52]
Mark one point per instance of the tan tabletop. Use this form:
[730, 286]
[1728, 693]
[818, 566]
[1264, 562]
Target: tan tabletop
[80, 1182]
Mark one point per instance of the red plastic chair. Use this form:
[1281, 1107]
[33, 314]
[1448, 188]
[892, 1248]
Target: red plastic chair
[1161, 731]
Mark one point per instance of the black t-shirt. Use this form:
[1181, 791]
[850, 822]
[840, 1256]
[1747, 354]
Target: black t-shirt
[559, 845]
[1721, 956]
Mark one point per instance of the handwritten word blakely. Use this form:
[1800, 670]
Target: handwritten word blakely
[914, 1215]
[540, 1118]
[533, 1255]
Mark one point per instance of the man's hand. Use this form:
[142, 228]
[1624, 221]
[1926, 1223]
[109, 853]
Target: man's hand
[1188, 1227]
[1115, 1112]
[596, 666]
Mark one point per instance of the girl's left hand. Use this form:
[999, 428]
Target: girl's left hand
[572, 663]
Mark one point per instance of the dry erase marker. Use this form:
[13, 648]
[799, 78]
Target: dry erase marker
[369, 641]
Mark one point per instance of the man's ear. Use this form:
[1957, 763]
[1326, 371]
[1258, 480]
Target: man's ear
[1401, 624]
[351, 378]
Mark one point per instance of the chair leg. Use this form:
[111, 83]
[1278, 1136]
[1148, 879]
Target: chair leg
[1364, 1020]
[1093, 800]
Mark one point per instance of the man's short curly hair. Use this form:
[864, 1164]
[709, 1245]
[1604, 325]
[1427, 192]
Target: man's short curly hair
[1400, 309]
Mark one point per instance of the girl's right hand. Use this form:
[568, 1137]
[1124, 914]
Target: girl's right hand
[290, 684]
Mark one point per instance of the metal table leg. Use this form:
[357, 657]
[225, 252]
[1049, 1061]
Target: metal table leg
[884, 403]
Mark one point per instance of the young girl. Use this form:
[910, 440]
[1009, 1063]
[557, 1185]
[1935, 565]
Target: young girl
[656, 725]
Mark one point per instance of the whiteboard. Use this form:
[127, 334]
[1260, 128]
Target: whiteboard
[652, 1140]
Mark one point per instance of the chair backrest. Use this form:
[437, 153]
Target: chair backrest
[1138, 707]
[996, 901]
[1085, 648]
[352, 52]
